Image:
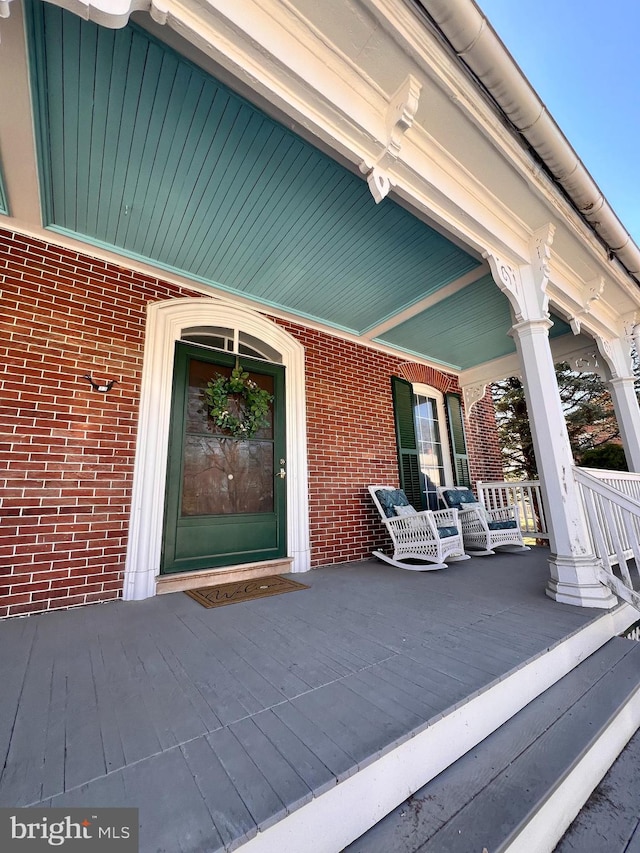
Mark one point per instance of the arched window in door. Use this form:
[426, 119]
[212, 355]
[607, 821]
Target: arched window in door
[231, 340]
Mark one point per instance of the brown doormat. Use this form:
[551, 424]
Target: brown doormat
[229, 593]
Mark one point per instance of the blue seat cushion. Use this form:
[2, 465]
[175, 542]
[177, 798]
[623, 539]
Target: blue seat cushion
[455, 497]
[390, 498]
[445, 532]
[502, 525]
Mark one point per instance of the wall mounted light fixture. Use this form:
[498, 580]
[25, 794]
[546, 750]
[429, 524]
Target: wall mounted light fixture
[103, 388]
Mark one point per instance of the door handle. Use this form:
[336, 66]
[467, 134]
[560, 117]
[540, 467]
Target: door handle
[282, 473]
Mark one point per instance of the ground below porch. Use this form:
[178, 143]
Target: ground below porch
[218, 724]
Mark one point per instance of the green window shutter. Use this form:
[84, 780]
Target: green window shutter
[408, 460]
[455, 417]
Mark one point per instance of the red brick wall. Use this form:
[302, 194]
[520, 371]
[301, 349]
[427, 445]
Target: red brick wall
[351, 443]
[67, 452]
[482, 441]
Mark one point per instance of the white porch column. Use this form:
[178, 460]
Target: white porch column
[625, 403]
[572, 563]
[616, 353]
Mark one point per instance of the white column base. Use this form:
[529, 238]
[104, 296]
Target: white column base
[573, 581]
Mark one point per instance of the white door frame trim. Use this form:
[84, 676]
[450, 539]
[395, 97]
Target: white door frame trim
[165, 324]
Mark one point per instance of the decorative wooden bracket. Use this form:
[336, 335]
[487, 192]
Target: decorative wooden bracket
[594, 290]
[631, 331]
[401, 112]
[472, 394]
[528, 298]
[509, 281]
[587, 363]
[540, 245]
[618, 351]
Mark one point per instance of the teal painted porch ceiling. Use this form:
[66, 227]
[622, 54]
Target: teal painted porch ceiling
[144, 153]
[481, 310]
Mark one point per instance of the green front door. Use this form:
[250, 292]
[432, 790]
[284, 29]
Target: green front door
[225, 498]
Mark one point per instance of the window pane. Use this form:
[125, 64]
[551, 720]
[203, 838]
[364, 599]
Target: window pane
[223, 475]
[429, 448]
[209, 336]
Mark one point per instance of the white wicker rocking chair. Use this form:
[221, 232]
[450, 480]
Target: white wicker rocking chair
[483, 530]
[428, 537]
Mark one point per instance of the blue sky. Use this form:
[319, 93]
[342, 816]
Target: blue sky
[581, 56]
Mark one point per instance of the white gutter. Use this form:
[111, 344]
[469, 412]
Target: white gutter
[470, 34]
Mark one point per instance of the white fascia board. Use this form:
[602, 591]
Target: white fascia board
[444, 69]
[571, 296]
[572, 274]
[491, 371]
[271, 49]
[427, 180]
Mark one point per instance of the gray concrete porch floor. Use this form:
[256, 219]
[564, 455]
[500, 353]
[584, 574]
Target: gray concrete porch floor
[217, 723]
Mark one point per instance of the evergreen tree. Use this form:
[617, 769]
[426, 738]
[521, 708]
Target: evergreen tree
[589, 415]
[514, 430]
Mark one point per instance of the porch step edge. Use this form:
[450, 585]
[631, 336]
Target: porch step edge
[519, 790]
[546, 827]
[345, 812]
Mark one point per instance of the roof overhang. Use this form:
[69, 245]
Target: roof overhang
[337, 89]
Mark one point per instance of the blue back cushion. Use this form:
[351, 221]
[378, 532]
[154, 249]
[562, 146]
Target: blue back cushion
[502, 525]
[445, 532]
[391, 497]
[455, 497]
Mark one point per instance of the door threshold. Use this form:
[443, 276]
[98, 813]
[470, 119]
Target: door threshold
[180, 581]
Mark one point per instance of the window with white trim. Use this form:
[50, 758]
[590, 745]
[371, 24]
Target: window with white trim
[433, 442]
[430, 441]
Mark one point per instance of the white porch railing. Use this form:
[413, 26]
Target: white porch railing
[612, 504]
[525, 495]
